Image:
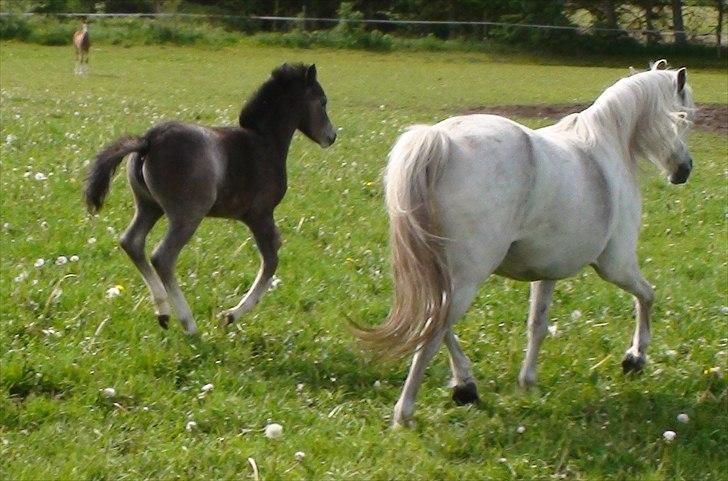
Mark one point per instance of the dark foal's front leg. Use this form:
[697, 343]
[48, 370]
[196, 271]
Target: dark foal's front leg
[268, 240]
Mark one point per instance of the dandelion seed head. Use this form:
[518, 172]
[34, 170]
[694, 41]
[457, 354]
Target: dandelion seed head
[273, 431]
[108, 392]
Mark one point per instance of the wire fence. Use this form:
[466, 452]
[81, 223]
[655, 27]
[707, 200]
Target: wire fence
[312, 22]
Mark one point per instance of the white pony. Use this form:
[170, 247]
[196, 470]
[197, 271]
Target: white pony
[480, 194]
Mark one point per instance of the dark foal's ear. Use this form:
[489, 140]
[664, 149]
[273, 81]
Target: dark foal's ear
[311, 74]
[682, 77]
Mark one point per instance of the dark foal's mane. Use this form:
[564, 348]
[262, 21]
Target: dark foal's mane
[286, 81]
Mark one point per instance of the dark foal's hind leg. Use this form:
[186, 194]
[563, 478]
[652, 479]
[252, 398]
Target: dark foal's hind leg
[268, 241]
[133, 242]
[164, 260]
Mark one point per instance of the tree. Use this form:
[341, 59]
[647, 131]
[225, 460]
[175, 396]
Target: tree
[677, 22]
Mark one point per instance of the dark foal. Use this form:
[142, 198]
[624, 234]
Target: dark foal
[190, 172]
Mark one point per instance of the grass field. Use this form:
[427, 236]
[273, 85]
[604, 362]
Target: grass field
[292, 360]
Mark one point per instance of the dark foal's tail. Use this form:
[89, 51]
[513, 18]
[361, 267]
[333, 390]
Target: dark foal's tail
[105, 165]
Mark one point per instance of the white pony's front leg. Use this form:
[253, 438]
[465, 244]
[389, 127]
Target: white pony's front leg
[629, 278]
[541, 294]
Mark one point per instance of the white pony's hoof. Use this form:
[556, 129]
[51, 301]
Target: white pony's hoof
[190, 328]
[632, 363]
[403, 424]
[526, 382]
[465, 394]
[226, 318]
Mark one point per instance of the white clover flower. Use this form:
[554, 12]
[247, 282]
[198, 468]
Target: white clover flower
[669, 436]
[61, 260]
[521, 429]
[50, 332]
[21, 277]
[275, 282]
[40, 176]
[112, 292]
[74, 258]
[190, 426]
[207, 387]
[91, 240]
[553, 329]
[108, 392]
[10, 138]
[683, 418]
[724, 310]
[39, 263]
[273, 431]
[299, 455]
[576, 314]
[377, 384]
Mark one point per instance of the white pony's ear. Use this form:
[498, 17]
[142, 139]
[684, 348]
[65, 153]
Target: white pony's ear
[682, 78]
[632, 71]
[659, 64]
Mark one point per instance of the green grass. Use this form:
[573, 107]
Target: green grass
[292, 360]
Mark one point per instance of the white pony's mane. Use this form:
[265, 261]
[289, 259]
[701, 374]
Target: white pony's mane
[642, 112]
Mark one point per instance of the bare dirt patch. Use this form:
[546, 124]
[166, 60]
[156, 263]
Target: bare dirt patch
[709, 117]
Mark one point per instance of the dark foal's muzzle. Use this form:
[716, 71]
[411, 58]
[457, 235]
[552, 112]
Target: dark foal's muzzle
[680, 176]
[329, 138]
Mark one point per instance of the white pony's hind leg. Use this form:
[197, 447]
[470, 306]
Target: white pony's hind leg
[541, 293]
[630, 279]
[404, 409]
[465, 391]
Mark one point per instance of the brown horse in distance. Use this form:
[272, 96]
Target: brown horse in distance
[82, 44]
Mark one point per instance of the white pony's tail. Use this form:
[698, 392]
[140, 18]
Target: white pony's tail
[422, 282]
